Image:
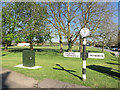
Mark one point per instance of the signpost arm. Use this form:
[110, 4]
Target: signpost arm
[84, 60]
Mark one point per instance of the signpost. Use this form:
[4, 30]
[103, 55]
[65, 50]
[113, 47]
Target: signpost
[72, 54]
[84, 33]
[84, 60]
[96, 55]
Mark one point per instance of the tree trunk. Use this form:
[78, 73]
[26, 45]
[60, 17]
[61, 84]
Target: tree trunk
[31, 45]
[94, 43]
[110, 46]
[69, 36]
[69, 45]
[6, 47]
[61, 44]
[43, 43]
[103, 47]
[81, 45]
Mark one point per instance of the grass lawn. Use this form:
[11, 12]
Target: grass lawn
[101, 73]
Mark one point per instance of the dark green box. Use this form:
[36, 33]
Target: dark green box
[28, 58]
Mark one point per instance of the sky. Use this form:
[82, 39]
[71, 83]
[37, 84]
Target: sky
[60, 0]
[56, 38]
[115, 19]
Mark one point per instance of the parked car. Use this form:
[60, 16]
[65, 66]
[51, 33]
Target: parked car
[107, 47]
[118, 49]
[114, 48]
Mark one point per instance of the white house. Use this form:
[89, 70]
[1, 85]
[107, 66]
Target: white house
[23, 44]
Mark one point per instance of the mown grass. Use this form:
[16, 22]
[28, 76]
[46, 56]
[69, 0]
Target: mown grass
[101, 73]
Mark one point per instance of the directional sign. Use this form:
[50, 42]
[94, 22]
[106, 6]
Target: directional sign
[72, 54]
[96, 55]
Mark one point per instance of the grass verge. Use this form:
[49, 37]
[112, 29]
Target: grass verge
[101, 73]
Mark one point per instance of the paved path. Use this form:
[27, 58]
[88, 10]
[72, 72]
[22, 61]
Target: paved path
[48, 83]
[11, 79]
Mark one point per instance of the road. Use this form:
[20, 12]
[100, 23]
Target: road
[115, 52]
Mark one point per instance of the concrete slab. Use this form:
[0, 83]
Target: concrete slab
[21, 66]
[48, 83]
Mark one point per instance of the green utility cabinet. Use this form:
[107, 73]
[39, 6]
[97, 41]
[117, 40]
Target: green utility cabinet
[28, 58]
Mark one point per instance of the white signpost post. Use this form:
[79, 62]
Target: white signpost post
[84, 33]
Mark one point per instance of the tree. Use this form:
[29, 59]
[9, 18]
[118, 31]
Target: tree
[119, 39]
[108, 35]
[60, 19]
[73, 16]
[55, 18]
[9, 23]
[32, 25]
[0, 24]
[25, 20]
[93, 15]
